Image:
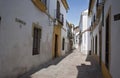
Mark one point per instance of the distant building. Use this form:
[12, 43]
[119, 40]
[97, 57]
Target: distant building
[85, 46]
[69, 40]
[76, 37]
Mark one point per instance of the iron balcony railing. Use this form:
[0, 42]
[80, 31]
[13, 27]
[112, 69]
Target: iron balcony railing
[60, 18]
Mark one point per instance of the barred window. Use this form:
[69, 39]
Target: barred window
[36, 41]
[63, 44]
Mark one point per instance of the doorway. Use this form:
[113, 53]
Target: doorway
[93, 46]
[96, 45]
[63, 44]
[56, 46]
[107, 44]
[100, 47]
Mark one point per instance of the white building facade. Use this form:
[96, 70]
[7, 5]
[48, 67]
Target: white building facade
[105, 23]
[76, 37]
[64, 40]
[83, 25]
[26, 33]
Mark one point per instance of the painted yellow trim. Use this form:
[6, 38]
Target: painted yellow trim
[65, 4]
[58, 24]
[57, 30]
[40, 5]
[91, 5]
[43, 8]
[104, 70]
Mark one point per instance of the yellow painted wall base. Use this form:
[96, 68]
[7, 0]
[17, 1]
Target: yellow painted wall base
[104, 70]
[56, 31]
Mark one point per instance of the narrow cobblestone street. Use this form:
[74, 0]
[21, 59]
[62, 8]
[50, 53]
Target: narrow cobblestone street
[74, 65]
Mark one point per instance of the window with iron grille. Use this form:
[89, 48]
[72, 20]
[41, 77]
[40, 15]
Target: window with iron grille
[97, 4]
[36, 41]
[63, 44]
[58, 10]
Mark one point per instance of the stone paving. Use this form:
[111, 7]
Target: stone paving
[74, 65]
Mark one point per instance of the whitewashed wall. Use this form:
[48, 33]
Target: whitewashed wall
[86, 35]
[64, 28]
[114, 36]
[16, 40]
[115, 39]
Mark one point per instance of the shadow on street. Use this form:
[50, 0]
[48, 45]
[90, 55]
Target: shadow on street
[45, 65]
[90, 70]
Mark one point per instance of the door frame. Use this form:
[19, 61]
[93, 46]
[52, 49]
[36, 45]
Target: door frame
[100, 45]
[108, 39]
[56, 46]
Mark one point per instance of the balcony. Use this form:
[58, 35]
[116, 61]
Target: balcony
[94, 22]
[40, 5]
[60, 18]
[99, 6]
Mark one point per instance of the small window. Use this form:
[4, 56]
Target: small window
[94, 18]
[0, 18]
[63, 44]
[96, 45]
[36, 40]
[58, 10]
